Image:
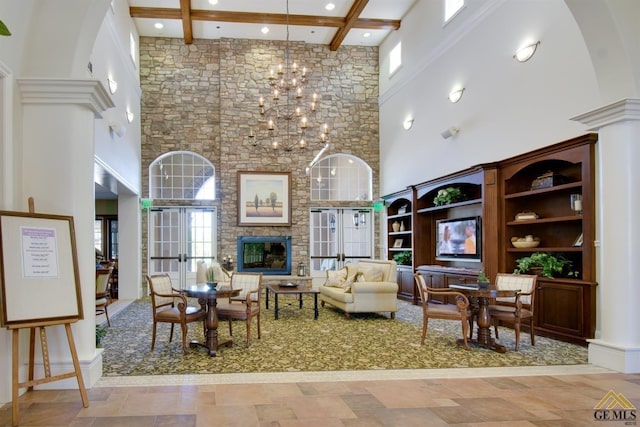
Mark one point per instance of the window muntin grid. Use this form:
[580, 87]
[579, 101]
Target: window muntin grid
[182, 175]
[341, 177]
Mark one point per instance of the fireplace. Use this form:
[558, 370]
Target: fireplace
[269, 255]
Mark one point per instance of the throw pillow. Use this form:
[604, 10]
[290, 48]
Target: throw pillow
[353, 272]
[372, 273]
[336, 278]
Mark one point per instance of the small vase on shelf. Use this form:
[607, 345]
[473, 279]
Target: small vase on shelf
[395, 226]
[402, 226]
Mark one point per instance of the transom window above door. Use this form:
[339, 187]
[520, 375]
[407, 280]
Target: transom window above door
[341, 177]
[182, 175]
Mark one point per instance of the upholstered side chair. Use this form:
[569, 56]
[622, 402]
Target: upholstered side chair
[246, 305]
[435, 310]
[170, 306]
[518, 309]
[103, 291]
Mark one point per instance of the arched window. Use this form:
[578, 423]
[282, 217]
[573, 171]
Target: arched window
[341, 177]
[182, 175]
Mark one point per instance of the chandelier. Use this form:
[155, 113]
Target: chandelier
[287, 115]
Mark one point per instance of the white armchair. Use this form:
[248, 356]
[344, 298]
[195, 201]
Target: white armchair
[220, 275]
[367, 287]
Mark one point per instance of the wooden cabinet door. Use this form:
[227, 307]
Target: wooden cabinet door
[406, 284]
[561, 309]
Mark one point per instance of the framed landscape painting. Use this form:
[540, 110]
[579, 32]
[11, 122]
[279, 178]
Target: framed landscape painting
[264, 198]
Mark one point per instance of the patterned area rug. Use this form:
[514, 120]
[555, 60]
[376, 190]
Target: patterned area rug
[296, 342]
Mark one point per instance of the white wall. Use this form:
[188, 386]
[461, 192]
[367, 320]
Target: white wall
[507, 107]
[110, 57]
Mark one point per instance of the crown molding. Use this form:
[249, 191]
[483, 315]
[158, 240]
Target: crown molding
[88, 93]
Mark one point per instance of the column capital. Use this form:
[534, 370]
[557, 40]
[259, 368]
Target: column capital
[619, 111]
[88, 93]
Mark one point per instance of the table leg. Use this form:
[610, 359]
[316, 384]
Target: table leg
[484, 328]
[300, 298]
[315, 306]
[212, 327]
[275, 308]
[266, 304]
[211, 330]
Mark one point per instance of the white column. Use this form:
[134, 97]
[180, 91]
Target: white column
[56, 168]
[617, 342]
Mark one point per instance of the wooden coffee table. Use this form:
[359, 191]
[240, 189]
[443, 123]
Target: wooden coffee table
[285, 289]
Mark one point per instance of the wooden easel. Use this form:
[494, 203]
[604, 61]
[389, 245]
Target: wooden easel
[40, 325]
[17, 385]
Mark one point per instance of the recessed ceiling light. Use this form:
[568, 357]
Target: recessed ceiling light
[330, 6]
[213, 2]
[265, 30]
[158, 25]
[367, 34]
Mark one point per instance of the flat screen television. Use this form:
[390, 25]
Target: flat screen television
[269, 255]
[459, 239]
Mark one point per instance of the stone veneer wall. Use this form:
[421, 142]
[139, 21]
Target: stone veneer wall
[202, 98]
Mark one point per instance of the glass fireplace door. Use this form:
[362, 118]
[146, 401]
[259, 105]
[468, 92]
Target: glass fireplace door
[338, 237]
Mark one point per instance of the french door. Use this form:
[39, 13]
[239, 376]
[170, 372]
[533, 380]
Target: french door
[179, 237]
[339, 236]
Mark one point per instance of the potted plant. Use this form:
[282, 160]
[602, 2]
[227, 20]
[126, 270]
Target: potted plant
[101, 332]
[403, 258]
[544, 264]
[447, 196]
[483, 280]
[211, 277]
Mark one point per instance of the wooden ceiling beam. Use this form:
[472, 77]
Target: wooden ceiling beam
[353, 15]
[185, 12]
[377, 24]
[263, 18]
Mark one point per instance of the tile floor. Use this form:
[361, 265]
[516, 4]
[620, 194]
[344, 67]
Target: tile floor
[532, 396]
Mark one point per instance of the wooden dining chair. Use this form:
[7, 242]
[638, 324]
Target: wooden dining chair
[434, 309]
[246, 305]
[103, 291]
[518, 309]
[171, 306]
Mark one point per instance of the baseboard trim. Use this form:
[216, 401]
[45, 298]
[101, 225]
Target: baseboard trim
[614, 357]
[91, 370]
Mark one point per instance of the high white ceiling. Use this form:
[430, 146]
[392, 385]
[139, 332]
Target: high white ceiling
[376, 13]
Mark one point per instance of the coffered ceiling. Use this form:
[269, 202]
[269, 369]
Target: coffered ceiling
[350, 22]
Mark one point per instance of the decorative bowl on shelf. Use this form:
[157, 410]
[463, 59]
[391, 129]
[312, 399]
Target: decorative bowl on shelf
[526, 216]
[525, 242]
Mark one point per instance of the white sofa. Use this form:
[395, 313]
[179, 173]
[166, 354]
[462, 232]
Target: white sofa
[369, 286]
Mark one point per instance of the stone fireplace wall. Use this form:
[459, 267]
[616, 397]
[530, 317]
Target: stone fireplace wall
[202, 97]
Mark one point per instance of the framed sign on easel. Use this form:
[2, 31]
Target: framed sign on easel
[39, 287]
[38, 262]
